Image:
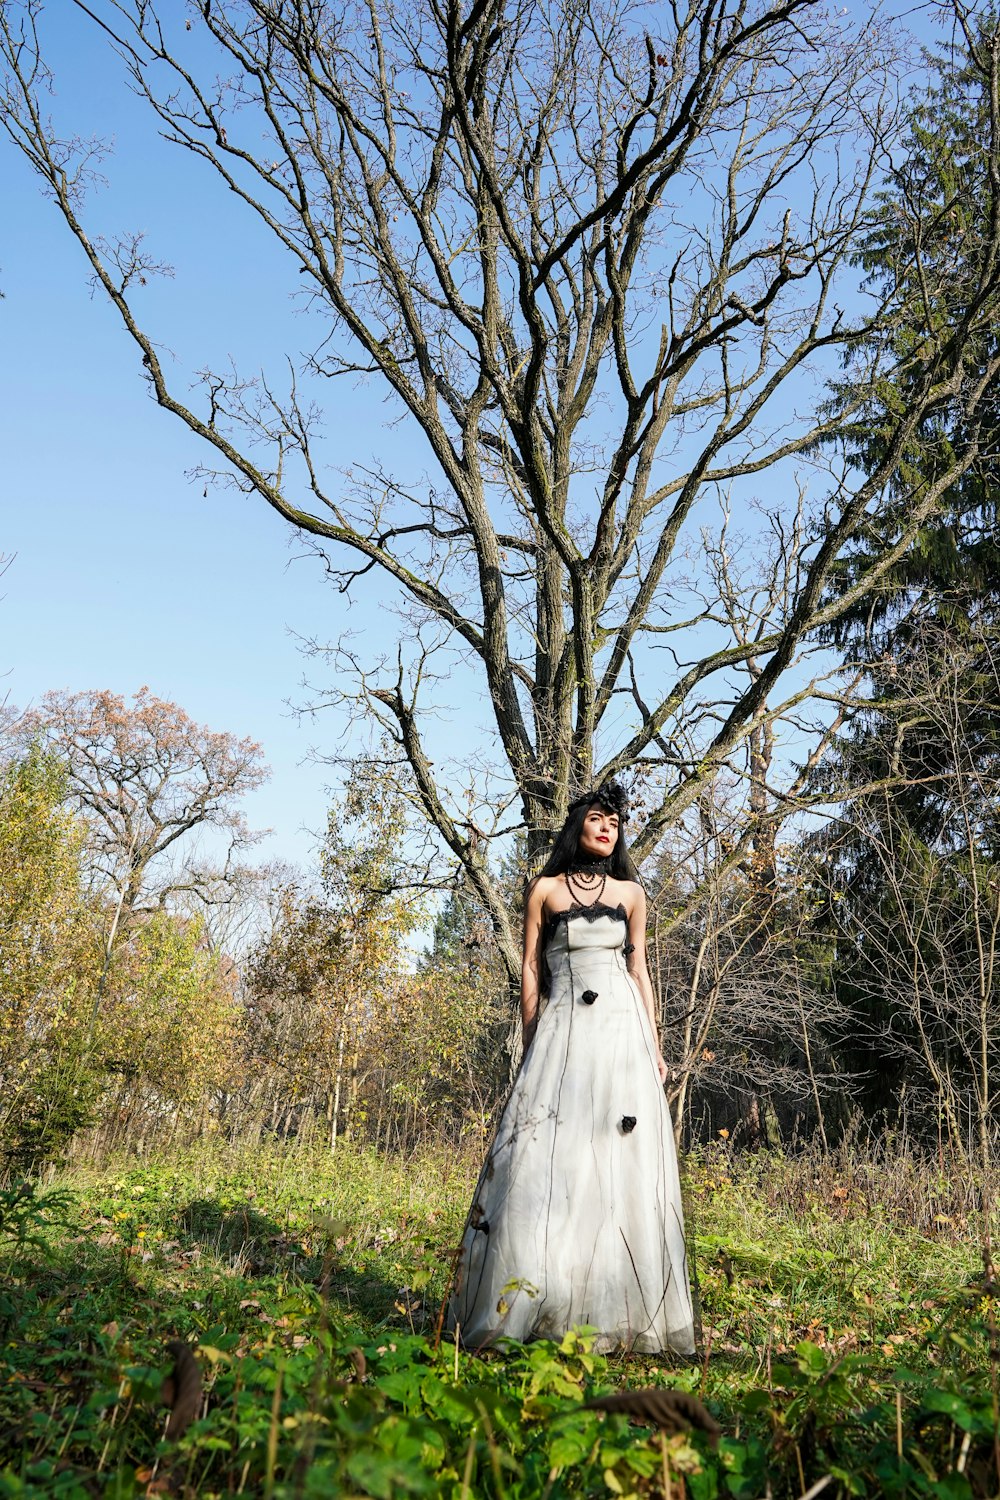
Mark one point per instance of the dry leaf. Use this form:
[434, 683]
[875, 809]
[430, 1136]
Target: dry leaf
[181, 1390]
[674, 1411]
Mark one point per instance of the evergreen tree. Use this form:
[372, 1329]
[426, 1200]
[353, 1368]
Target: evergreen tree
[926, 743]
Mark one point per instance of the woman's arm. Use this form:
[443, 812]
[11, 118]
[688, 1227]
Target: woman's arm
[640, 973]
[534, 915]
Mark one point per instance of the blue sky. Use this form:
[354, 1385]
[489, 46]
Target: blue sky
[122, 573]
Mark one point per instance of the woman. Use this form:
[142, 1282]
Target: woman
[576, 1218]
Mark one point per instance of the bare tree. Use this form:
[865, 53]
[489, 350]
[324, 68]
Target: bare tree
[235, 904]
[603, 273]
[748, 1015]
[917, 883]
[145, 778]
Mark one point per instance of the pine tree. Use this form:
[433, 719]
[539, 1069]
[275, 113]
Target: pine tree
[926, 743]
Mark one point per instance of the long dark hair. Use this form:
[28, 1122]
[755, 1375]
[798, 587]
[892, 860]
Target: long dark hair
[565, 853]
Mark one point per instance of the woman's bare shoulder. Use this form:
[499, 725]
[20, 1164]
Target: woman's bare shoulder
[630, 894]
[540, 888]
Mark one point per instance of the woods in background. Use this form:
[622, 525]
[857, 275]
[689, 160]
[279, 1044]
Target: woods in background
[844, 983]
[612, 282]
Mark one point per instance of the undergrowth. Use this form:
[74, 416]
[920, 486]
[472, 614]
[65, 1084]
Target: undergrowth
[849, 1338]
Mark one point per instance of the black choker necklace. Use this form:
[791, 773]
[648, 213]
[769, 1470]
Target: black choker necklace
[600, 866]
[585, 879]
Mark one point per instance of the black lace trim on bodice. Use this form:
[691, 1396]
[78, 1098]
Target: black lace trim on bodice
[589, 913]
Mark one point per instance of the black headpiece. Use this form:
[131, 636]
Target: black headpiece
[610, 796]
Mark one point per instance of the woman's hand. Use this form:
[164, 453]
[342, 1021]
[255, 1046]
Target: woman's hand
[661, 1067]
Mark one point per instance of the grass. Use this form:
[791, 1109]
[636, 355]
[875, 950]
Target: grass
[849, 1337]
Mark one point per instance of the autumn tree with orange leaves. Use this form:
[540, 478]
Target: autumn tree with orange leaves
[146, 777]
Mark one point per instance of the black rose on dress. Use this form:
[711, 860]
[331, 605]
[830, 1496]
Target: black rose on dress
[628, 1123]
[588, 997]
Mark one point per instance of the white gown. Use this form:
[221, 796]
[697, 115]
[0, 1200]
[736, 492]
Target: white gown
[576, 1218]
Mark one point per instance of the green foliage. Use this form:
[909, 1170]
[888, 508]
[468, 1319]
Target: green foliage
[58, 1096]
[926, 250]
[47, 967]
[168, 1020]
[296, 1274]
[82, 1038]
[25, 1214]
